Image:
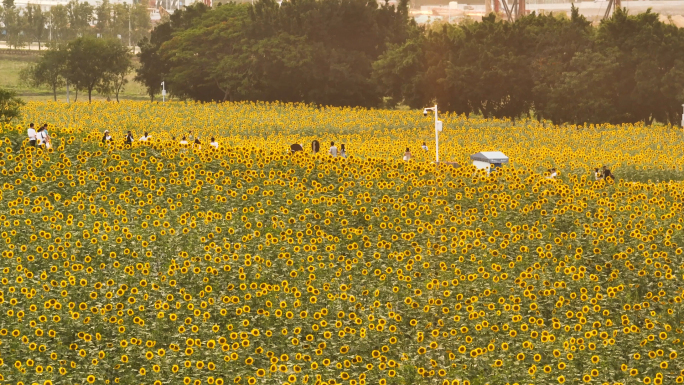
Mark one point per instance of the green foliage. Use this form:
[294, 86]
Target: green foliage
[14, 24]
[48, 71]
[97, 64]
[153, 70]
[113, 20]
[80, 16]
[10, 106]
[311, 51]
[59, 23]
[628, 69]
[75, 19]
[35, 23]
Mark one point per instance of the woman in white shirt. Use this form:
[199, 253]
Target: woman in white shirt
[41, 137]
[407, 155]
[144, 137]
[333, 149]
[46, 137]
[214, 143]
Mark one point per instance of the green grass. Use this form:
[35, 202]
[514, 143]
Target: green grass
[11, 65]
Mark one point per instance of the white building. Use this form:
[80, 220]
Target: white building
[170, 5]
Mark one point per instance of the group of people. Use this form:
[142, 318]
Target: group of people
[599, 174]
[129, 138]
[39, 138]
[407, 154]
[333, 151]
[107, 138]
[603, 173]
[342, 150]
[186, 140]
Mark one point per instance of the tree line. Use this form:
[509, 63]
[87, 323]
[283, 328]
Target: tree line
[629, 68]
[85, 64]
[358, 53]
[317, 51]
[23, 27]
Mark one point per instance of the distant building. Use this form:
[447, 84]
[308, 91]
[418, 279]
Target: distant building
[426, 19]
[170, 5]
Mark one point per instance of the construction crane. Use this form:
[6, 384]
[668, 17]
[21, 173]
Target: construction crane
[162, 11]
[514, 12]
[612, 4]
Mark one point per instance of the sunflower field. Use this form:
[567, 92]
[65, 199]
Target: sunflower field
[158, 263]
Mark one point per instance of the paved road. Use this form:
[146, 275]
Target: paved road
[34, 47]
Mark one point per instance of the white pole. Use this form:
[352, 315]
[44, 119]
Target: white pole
[67, 84]
[129, 27]
[682, 116]
[163, 92]
[436, 137]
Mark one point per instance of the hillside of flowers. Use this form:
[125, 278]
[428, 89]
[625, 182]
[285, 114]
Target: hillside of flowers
[158, 263]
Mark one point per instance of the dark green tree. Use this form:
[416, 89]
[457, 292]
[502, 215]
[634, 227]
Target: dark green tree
[92, 62]
[58, 23]
[10, 106]
[647, 52]
[310, 50]
[207, 61]
[36, 21]
[105, 24]
[117, 72]
[80, 16]
[587, 92]
[153, 69]
[558, 41]
[48, 71]
[14, 25]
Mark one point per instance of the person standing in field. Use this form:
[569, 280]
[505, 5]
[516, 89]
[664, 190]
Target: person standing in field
[214, 143]
[31, 132]
[106, 138]
[424, 147]
[47, 137]
[597, 174]
[40, 138]
[407, 155]
[607, 175]
[343, 151]
[144, 137]
[129, 138]
[333, 150]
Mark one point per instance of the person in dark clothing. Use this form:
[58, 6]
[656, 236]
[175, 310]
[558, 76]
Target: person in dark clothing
[106, 137]
[607, 175]
[597, 174]
[129, 138]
